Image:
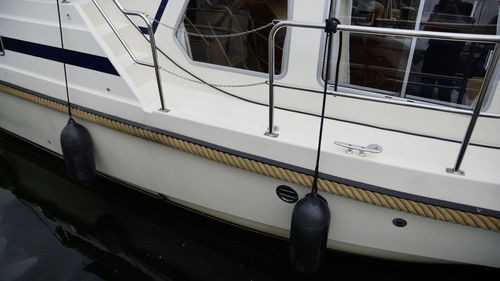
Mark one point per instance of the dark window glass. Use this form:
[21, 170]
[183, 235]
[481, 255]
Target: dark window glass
[208, 30]
[378, 61]
[452, 71]
[439, 71]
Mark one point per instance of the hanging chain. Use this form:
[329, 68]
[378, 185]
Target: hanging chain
[210, 84]
[214, 35]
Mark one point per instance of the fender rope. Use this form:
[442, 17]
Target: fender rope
[365, 196]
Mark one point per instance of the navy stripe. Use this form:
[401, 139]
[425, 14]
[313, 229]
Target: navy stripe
[93, 62]
[159, 14]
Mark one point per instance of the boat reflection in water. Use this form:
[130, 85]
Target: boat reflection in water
[58, 230]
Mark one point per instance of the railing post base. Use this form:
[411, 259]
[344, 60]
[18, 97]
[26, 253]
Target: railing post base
[272, 133]
[455, 172]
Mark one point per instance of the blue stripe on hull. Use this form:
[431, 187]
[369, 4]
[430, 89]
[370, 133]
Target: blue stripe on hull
[84, 60]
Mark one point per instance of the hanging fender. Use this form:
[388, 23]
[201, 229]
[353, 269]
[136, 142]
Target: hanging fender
[309, 233]
[78, 152]
[311, 215]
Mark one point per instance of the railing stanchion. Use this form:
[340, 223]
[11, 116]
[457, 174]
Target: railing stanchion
[271, 130]
[152, 42]
[476, 112]
[154, 52]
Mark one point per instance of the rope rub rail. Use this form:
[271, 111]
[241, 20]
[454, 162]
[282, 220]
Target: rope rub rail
[351, 192]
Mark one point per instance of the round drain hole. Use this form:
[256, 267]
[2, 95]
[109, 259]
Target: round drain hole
[399, 222]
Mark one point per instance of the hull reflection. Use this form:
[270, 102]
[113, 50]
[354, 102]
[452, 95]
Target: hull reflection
[123, 234]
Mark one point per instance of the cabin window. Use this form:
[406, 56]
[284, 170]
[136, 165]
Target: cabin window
[445, 72]
[215, 32]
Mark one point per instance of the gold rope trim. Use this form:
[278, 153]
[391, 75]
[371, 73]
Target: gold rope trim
[370, 197]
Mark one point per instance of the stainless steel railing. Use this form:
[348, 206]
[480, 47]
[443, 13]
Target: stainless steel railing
[152, 42]
[476, 112]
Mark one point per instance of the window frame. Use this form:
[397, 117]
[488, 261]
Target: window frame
[401, 96]
[285, 58]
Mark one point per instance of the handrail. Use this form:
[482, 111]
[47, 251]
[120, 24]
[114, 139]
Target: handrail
[385, 99]
[482, 38]
[394, 32]
[152, 42]
[475, 114]
[122, 41]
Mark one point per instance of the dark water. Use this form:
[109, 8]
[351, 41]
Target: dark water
[53, 229]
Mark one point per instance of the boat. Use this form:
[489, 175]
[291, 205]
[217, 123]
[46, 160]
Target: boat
[369, 127]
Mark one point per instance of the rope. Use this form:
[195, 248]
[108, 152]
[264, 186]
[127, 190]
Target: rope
[326, 58]
[63, 54]
[365, 196]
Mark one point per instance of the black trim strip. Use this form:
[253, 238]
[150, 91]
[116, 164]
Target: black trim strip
[93, 62]
[390, 192]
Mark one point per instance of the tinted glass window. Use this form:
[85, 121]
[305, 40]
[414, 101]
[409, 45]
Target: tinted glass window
[452, 71]
[215, 32]
[378, 61]
[446, 72]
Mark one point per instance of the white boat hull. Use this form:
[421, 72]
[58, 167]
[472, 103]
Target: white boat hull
[450, 217]
[249, 199]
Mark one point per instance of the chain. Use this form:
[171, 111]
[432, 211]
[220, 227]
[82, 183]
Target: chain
[213, 85]
[214, 35]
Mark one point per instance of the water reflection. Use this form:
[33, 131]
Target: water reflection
[53, 229]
